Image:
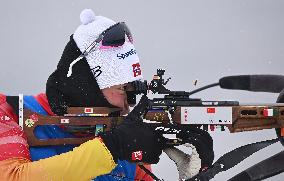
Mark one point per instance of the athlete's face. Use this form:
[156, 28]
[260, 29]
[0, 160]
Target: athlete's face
[116, 95]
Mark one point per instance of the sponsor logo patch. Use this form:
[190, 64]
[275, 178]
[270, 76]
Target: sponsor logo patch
[136, 69]
[29, 123]
[137, 156]
[127, 54]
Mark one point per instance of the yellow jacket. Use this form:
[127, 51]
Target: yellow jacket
[85, 162]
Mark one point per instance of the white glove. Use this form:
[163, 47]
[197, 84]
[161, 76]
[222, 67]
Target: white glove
[187, 165]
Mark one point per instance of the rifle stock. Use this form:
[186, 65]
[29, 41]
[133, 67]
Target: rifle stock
[32, 120]
[244, 118]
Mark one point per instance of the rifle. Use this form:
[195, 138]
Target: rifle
[174, 113]
[175, 108]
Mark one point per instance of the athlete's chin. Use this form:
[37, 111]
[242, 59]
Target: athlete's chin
[125, 107]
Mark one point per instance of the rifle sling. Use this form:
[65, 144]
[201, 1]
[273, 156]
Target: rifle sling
[232, 158]
[262, 170]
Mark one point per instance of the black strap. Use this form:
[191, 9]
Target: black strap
[262, 170]
[231, 159]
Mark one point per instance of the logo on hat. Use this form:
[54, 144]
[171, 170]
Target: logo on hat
[127, 54]
[96, 71]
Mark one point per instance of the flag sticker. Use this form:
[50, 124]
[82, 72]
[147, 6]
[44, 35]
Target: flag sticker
[269, 112]
[64, 121]
[211, 110]
[89, 110]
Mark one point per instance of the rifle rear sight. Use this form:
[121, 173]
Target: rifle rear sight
[157, 85]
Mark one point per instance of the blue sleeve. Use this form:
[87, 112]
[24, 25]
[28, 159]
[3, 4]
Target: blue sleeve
[45, 132]
[123, 171]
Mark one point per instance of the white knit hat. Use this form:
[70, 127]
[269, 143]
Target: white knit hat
[113, 66]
